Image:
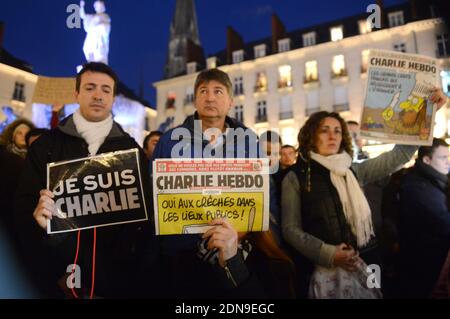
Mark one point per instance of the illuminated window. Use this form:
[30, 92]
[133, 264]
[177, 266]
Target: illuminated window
[285, 77]
[170, 102]
[239, 113]
[311, 71]
[364, 60]
[285, 107]
[238, 56]
[364, 26]
[260, 51]
[443, 45]
[191, 67]
[312, 102]
[284, 45]
[338, 65]
[396, 19]
[309, 39]
[238, 86]
[19, 92]
[211, 62]
[289, 135]
[189, 99]
[336, 33]
[261, 112]
[261, 82]
[340, 99]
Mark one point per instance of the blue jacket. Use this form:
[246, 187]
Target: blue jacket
[186, 140]
[177, 258]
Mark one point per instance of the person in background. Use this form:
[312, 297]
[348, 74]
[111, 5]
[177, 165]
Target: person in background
[288, 156]
[270, 142]
[357, 141]
[57, 113]
[221, 263]
[150, 142]
[13, 137]
[111, 253]
[424, 221]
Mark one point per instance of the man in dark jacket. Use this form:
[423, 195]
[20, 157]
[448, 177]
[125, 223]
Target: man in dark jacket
[424, 221]
[209, 133]
[89, 131]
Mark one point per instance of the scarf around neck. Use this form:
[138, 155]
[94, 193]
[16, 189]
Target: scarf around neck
[22, 152]
[94, 133]
[354, 203]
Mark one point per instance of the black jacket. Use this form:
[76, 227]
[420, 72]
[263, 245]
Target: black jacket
[258, 276]
[242, 146]
[11, 168]
[322, 211]
[424, 228]
[118, 249]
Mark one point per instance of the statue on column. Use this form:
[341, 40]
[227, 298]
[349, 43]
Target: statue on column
[97, 27]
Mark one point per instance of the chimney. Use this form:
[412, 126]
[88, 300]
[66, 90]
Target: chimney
[382, 13]
[234, 43]
[278, 32]
[194, 53]
[2, 26]
[413, 7]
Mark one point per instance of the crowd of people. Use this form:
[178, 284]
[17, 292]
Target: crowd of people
[323, 235]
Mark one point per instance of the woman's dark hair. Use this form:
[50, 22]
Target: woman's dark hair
[307, 137]
[7, 137]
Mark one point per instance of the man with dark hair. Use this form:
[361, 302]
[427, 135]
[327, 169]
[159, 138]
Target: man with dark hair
[213, 99]
[209, 133]
[150, 142]
[358, 153]
[89, 131]
[288, 156]
[98, 67]
[424, 223]
[270, 142]
[217, 76]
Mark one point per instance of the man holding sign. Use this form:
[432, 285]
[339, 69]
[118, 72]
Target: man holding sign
[84, 194]
[216, 201]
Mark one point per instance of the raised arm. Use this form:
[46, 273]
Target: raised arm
[389, 162]
[381, 166]
[82, 12]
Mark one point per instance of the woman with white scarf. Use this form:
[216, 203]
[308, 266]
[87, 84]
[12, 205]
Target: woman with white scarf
[325, 215]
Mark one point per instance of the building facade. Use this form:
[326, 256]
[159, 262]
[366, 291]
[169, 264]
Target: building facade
[279, 81]
[17, 84]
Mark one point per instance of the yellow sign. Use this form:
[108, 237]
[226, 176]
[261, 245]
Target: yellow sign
[191, 213]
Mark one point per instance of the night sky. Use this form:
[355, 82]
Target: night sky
[36, 31]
